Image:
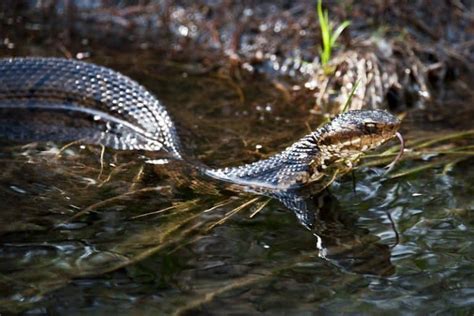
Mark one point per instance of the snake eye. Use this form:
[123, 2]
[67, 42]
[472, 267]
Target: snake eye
[370, 127]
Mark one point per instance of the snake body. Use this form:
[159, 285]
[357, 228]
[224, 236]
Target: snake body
[66, 100]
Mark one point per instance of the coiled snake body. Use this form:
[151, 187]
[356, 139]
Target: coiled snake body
[60, 99]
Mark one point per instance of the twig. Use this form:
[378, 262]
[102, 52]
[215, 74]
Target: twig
[168, 208]
[97, 205]
[260, 208]
[67, 146]
[228, 201]
[232, 212]
[102, 152]
[394, 227]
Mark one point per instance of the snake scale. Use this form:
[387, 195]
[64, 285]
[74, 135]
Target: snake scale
[98, 105]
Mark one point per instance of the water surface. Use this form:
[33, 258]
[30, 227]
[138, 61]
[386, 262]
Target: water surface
[77, 236]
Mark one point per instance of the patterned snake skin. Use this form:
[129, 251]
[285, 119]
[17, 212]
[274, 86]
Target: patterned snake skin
[66, 100]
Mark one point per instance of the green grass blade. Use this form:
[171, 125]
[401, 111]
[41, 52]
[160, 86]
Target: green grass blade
[338, 31]
[325, 33]
[349, 99]
[443, 138]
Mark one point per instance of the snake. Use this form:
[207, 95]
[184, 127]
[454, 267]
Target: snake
[48, 98]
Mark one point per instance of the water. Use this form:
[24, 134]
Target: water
[81, 234]
[75, 239]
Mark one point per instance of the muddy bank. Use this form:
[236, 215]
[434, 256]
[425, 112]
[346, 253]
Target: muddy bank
[404, 55]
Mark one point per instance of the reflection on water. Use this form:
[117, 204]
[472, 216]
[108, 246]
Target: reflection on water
[81, 234]
[340, 241]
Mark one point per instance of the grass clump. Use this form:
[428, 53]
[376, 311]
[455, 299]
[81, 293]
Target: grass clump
[329, 35]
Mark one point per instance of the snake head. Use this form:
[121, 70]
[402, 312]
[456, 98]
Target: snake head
[354, 132]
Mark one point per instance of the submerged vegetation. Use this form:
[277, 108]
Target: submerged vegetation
[185, 223]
